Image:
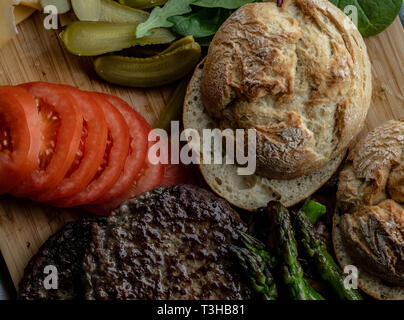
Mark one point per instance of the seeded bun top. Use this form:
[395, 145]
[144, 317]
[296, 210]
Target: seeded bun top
[299, 75]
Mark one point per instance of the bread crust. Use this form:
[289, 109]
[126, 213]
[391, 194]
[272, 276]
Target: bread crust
[370, 201]
[299, 75]
[371, 285]
[374, 171]
[247, 192]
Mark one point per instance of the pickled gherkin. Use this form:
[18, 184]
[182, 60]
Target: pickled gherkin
[87, 10]
[149, 72]
[112, 11]
[86, 38]
[108, 11]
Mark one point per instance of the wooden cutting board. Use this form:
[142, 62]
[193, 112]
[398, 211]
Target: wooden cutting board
[38, 54]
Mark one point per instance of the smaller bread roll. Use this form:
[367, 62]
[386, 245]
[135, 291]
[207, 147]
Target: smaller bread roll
[369, 223]
[298, 74]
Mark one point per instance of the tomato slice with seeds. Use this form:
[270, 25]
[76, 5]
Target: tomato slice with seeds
[113, 162]
[19, 136]
[138, 131]
[90, 153]
[61, 126]
[149, 177]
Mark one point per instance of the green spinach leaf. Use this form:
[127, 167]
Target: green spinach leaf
[374, 16]
[201, 23]
[177, 14]
[159, 16]
[226, 4]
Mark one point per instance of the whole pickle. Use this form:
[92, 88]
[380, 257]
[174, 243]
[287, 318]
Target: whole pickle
[149, 72]
[85, 38]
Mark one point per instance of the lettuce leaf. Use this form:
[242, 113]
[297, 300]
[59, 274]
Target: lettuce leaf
[202, 23]
[177, 14]
[159, 16]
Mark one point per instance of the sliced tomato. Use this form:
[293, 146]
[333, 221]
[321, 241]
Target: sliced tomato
[149, 177]
[138, 131]
[61, 125]
[91, 151]
[114, 159]
[20, 136]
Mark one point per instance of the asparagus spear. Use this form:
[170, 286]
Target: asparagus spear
[292, 271]
[257, 271]
[254, 245]
[326, 266]
[256, 263]
[314, 295]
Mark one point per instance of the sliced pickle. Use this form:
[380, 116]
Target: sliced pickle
[86, 38]
[63, 6]
[149, 72]
[87, 10]
[143, 4]
[112, 11]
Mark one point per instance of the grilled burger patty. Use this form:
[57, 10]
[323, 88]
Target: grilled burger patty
[169, 243]
[65, 251]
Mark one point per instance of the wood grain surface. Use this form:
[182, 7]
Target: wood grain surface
[37, 54]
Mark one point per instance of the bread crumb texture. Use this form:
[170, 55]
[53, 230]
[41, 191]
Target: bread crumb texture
[299, 75]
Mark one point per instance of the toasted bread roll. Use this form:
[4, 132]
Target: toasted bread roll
[298, 74]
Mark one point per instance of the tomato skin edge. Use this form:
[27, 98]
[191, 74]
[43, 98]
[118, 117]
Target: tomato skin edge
[149, 178]
[138, 130]
[94, 148]
[120, 135]
[29, 136]
[68, 139]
